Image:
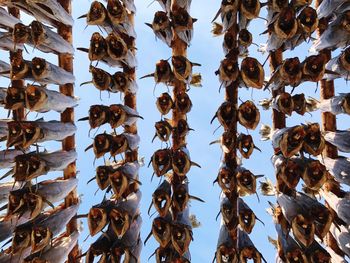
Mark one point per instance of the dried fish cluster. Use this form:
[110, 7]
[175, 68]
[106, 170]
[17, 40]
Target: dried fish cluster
[307, 230]
[37, 214]
[172, 228]
[116, 220]
[235, 181]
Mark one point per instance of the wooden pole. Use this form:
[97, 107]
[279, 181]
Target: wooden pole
[66, 62]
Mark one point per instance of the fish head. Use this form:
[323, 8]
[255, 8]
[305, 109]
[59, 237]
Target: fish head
[226, 114]
[40, 238]
[314, 67]
[160, 21]
[35, 204]
[248, 115]
[246, 219]
[102, 176]
[286, 24]
[97, 219]
[20, 240]
[119, 182]
[97, 14]
[162, 201]
[303, 229]
[116, 12]
[116, 47]
[31, 133]
[35, 97]
[118, 115]
[181, 162]
[180, 197]
[100, 78]
[226, 180]
[315, 175]
[37, 32]
[226, 253]
[183, 103]
[227, 141]
[163, 72]
[228, 70]
[102, 144]
[120, 221]
[15, 134]
[285, 103]
[245, 38]
[161, 230]
[21, 33]
[246, 182]
[182, 67]
[291, 171]
[299, 103]
[98, 115]
[98, 47]
[119, 145]
[164, 103]
[250, 8]
[15, 98]
[245, 145]
[249, 252]
[162, 161]
[345, 59]
[291, 70]
[181, 237]
[308, 20]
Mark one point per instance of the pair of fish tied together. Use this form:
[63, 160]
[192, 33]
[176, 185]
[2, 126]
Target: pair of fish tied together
[35, 205]
[237, 71]
[116, 220]
[172, 227]
[311, 218]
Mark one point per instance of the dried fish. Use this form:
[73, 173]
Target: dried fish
[225, 249]
[342, 236]
[7, 43]
[6, 188]
[61, 247]
[229, 216]
[245, 39]
[182, 23]
[183, 103]
[164, 103]
[9, 223]
[182, 68]
[340, 139]
[46, 73]
[226, 114]
[314, 142]
[227, 142]
[246, 181]
[326, 8]
[27, 133]
[181, 161]
[246, 145]
[338, 167]
[181, 233]
[288, 170]
[161, 27]
[247, 250]
[161, 198]
[161, 230]
[20, 68]
[181, 197]
[227, 11]
[43, 36]
[340, 204]
[248, 115]
[40, 99]
[5, 69]
[123, 83]
[163, 130]
[314, 68]
[246, 216]
[228, 71]
[7, 20]
[340, 65]
[32, 165]
[161, 161]
[8, 256]
[225, 179]
[336, 105]
[252, 73]
[163, 73]
[299, 218]
[315, 175]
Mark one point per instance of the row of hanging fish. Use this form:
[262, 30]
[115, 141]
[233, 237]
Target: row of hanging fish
[35, 214]
[172, 226]
[237, 70]
[116, 220]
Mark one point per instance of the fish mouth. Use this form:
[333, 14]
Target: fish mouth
[101, 79]
[296, 256]
[249, 253]
[226, 254]
[119, 183]
[162, 231]
[246, 220]
[96, 14]
[120, 221]
[34, 97]
[116, 47]
[40, 238]
[303, 230]
[97, 220]
[162, 202]
[181, 237]
[14, 98]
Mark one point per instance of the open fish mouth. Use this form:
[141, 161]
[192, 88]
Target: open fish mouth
[97, 220]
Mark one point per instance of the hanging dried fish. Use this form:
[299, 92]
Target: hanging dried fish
[181, 161]
[31, 165]
[181, 232]
[246, 181]
[228, 71]
[288, 170]
[101, 79]
[227, 12]
[226, 114]
[283, 102]
[340, 139]
[161, 27]
[181, 197]
[7, 43]
[164, 103]
[226, 141]
[246, 145]
[300, 220]
[315, 175]
[46, 73]
[288, 73]
[98, 216]
[248, 115]
[245, 39]
[342, 236]
[7, 20]
[225, 249]
[248, 10]
[58, 251]
[336, 35]
[97, 14]
[8, 256]
[6, 188]
[314, 142]
[326, 7]
[4, 69]
[225, 179]
[161, 230]
[100, 247]
[338, 167]
[252, 73]
[97, 49]
[21, 34]
[246, 216]
[43, 36]
[314, 68]
[26, 133]
[102, 176]
[300, 103]
[183, 103]
[123, 83]
[40, 99]
[163, 130]
[229, 217]
[163, 73]
[161, 161]
[247, 250]
[182, 68]
[182, 23]
[336, 105]
[340, 65]
[20, 68]
[161, 198]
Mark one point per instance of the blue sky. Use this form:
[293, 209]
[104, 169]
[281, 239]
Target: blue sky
[206, 50]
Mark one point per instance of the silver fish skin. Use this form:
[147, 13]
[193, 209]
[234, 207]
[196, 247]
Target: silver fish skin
[58, 252]
[335, 65]
[333, 105]
[339, 168]
[340, 139]
[131, 203]
[55, 130]
[14, 258]
[7, 43]
[224, 236]
[5, 67]
[129, 60]
[3, 127]
[6, 188]
[7, 158]
[3, 93]
[130, 5]
[290, 207]
[55, 101]
[59, 160]
[342, 236]
[133, 140]
[8, 224]
[327, 7]
[54, 75]
[54, 42]
[7, 20]
[58, 12]
[341, 205]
